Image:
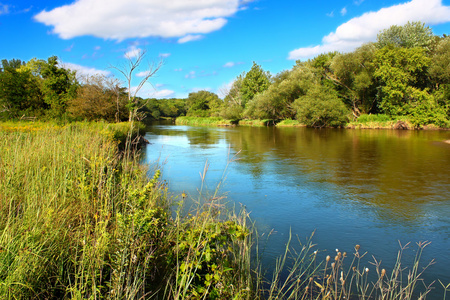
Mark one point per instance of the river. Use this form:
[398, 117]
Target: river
[375, 188]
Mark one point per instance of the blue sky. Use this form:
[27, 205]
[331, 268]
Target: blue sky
[204, 44]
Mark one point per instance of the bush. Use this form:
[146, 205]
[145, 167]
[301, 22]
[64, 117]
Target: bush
[321, 107]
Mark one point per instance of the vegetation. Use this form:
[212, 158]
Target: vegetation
[196, 121]
[82, 220]
[402, 75]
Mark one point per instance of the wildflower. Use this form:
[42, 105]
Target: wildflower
[328, 258]
[367, 270]
[383, 272]
[357, 247]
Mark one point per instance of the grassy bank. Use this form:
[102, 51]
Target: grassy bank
[362, 122]
[198, 121]
[81, 219]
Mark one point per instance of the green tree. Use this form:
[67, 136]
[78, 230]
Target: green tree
[277, 101]
[254, 82]
[202, 104]
[20, 95]
[321, 107]
[402, 72]
[58, 87]
[353, 74]
[410, 35]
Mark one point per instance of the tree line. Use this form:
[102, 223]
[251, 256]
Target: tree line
[405, 73]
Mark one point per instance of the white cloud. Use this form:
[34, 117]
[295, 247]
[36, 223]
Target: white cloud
[133, 52]
[190, 38]
[358, 2]
[190, 75]
[4, 9]
[365, 28]
[85, 71]
[164, 93]
[178, 70]
[229, 65]
[143, 73]
[331, 14]
[343, 11]
[119, 19]
[164, 55]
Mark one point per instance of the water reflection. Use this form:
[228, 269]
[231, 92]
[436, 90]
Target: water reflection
[372, 187]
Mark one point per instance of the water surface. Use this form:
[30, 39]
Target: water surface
[375, 188]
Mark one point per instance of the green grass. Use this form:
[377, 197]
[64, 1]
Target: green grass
[290, 123]
[81, 219]
[381, 122]
[265, 122]
[199, 121]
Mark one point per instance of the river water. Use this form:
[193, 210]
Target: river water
[375, 188]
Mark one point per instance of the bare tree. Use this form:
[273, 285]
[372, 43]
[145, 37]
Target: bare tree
[128, 70]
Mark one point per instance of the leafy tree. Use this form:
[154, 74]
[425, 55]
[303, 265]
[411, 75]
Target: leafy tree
[410, 35]
[353, 74]
[202, 103]
[20, 95]
[440, 62]
[321, 107]
[254, 82]
[59, 86]
[402, 72]
[9, 65]
[277, 101]
[99, 97]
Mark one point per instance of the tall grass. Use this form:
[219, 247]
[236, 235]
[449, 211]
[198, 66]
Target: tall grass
[77, 221]
[80, 219]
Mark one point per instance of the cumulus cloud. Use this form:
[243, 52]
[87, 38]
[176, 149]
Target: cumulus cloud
[365, 28]
[119, 19]
[85, 71]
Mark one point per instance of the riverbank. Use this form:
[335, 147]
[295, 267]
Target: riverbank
[83, 219]
[80, 218]
[363, 122]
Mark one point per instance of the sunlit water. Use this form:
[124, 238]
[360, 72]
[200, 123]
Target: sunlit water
[375, 188]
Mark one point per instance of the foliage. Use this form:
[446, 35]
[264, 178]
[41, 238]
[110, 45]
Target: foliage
[410, 35]
[165, 108]
[255, 81]
[321, 107]
[20, 94]
[59, 86]
[99, 98]
[199, 121]
[202, 104]
[353, 73]
[277, 101]
[403, 75]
